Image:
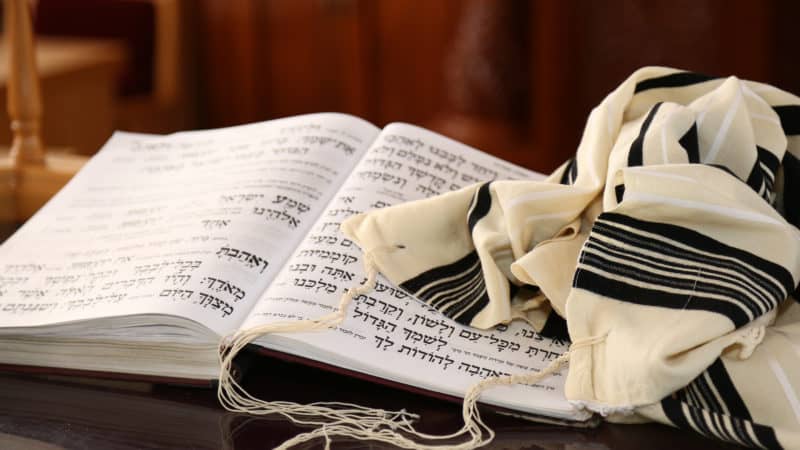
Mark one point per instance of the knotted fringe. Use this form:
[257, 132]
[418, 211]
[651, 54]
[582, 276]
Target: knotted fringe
[353, 421]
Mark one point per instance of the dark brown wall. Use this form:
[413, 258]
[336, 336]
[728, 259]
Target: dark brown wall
[381, 60]
[515, 78]
[608, 40]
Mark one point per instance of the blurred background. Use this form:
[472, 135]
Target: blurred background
[514, 78]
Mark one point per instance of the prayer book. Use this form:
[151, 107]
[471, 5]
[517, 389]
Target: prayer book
[163, 245]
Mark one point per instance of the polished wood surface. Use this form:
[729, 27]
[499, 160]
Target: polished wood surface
[40, 413]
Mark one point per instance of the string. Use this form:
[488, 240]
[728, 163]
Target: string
[336, 419]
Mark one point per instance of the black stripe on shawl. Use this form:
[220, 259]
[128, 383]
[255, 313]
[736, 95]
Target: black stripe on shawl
[418, 282]
[473, 293]
[683, 269]
[573, 171]
[759, 178]
[638, 274]
[766, 167]
[467, 279]
[570, 172]
[692, 259]
[704, 395]
[756, 178]
[619, 192]
[746, 286]
[672, 80]
[769, 159]
[766, 436]
[465, 317]
[690, 143]
[449, 290]
[482, 203]
[565, 174]
[790, 118]
[762, 180]
[699, 421]
[635, 154]
[555, 327]
[791, 189]
[673, 409]
[617, 290]
[727, 391]
[696, 240]
[702, 420]
[458, 312]
[753, 180]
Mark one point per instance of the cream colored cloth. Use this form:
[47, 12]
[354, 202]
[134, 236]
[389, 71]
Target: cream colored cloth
[672, 235]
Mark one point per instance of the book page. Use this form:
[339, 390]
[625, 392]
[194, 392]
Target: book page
[194, 224]
[387, 333]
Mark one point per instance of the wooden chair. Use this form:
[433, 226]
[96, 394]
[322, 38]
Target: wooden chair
[29, 176]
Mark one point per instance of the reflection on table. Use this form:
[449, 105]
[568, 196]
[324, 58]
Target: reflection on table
[67, 412]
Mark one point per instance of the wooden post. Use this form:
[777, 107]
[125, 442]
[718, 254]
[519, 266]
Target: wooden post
[28, 175]
[24, 93]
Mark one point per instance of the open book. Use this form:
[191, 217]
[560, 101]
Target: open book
[162, 245]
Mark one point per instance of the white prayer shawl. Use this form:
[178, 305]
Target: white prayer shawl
[670, 244]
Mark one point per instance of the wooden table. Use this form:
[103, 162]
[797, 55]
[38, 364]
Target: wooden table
[43, 413]
[66, 413]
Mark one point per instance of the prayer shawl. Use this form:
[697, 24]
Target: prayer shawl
[669, 245]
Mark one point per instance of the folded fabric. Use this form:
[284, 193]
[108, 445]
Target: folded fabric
[671, 240]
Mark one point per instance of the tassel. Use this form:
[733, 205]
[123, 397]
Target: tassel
[334, 419]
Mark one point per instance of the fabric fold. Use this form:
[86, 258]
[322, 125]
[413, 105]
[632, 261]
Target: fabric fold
[670, 241]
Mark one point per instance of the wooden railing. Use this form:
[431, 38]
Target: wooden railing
[29, 176]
